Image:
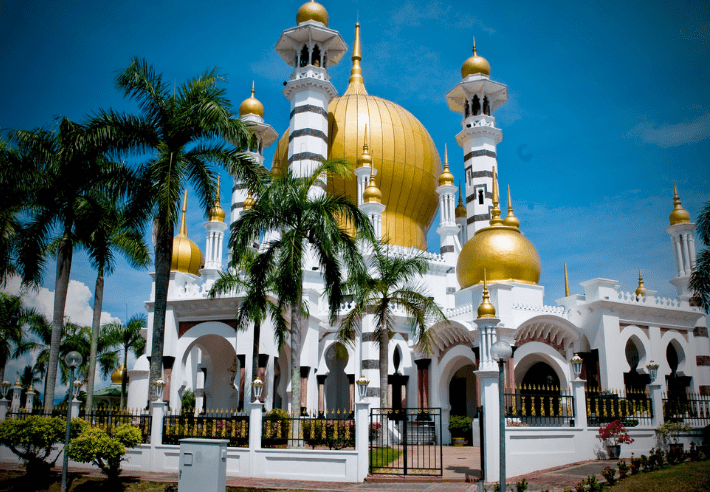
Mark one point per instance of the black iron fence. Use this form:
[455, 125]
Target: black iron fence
[334, 429]
[632, 407]
[406, 441]
[110, 418]
[538, 406]
[693, 410]
[221, 424]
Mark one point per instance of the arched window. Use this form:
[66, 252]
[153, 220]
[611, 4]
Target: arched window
[466, 110]
[486, 106]
[304, 56]
[476, 109]
[315, 56]
[480, 196]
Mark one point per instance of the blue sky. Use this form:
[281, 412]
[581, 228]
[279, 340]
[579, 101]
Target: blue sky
[609, 103]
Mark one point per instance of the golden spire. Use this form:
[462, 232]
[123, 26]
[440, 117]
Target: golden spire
[183, 226]
[510, 219]
[372, 193]
[641, 289]
[566, 282]
[486, 309]
[365, 159]
[216, 213]
[475, 64]
[679, 214]
[446, 177]
[356, 84]
[249, 202]
[251, 105]
[495, 212]
[460, 208]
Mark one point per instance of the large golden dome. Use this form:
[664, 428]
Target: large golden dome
[187, 257]
[402, 151]
[499, 252]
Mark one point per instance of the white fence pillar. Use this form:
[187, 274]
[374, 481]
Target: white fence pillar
[16, 393]
[255, 424]
[4, 402]
[157, 411]
[656, 404]
[491, 424]
[580, 407]
[362, 439]
[75, 408]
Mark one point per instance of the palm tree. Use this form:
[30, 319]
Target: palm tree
[129, 337]
[68, 173]
[13, 317]
[12, 201]
[112, 232]
[391, 285]
[313, 224]
[182, 132]
[29, 376]
[700, 276]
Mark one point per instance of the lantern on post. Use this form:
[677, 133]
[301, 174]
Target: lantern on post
[362, 387]
[652, 370]
[5, 386]
[576, 365]
[257, 387]
[159, 387]
[73, 359]
[77, 385]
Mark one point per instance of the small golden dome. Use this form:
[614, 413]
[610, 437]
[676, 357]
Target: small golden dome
[365, 158]
[187, 257]
[249, 202]
[486, 309]
[117, 375]
[641, 289]
[510, 219]
[460, 208]
[372, 193]
[251, 105]
[446, 178]
[475, 64]
[312, 11]
[501, 250]
[679, 215]
[216, 213]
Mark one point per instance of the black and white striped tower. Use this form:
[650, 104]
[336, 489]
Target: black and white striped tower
[683, 240]
[310, 48]
[476, 97]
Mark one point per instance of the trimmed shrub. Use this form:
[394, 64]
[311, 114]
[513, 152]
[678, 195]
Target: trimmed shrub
[104, 450]
[32, 439]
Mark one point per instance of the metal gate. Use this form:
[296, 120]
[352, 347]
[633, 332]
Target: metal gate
[406, 441]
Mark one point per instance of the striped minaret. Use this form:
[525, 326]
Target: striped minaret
[683, 240]
[310, 48]
[476, 97]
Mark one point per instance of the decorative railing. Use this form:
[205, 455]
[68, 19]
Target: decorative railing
[538, 406]
[556, 310]
[219, 424]
[663, 302]
[693, 410]
[109, 419]
[22, 413]
[632, 407]
[331, 429]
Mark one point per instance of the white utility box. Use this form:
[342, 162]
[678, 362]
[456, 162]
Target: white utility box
[203, 465]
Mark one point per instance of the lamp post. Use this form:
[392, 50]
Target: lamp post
[501, 352]
[257, 387]
[73, 360]
[652, 371]
[362, 387]
[5, 385]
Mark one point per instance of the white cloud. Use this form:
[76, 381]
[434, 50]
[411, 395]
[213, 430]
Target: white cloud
[672, 135]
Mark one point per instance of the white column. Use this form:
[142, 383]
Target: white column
[16, 392]
[656, 404]
[75, 409]
[491, 425]
[255, 424]
[676, 256]
[691, 244]
[362, 436]
[157, 411]
[3, 408]
[580, 407]
[686, 253]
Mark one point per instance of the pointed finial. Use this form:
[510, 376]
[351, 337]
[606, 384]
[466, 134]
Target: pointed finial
[216, 213]
[249, 202]
[495, 211]
[365, 158]
[566, 282]
[356, 84]
[446, 178]
[372, 193]
[641, 289]
[474, 45]
[510, 219]
[486, 309]
[183, 226]
[460, 208]
[679, 214]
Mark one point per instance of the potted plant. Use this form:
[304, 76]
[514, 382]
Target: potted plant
[460, 428]
[613, 435]
[670, 433]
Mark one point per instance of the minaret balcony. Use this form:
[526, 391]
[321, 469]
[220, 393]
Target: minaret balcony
[310, 71]
[479, 120]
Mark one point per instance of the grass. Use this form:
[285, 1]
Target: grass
[380, 457]
[688, 477]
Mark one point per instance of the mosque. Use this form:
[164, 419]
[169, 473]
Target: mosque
[399, 183]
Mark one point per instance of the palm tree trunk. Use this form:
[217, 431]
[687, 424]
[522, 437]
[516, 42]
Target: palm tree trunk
[255, 351]
[384, 365]
[95, 326]
[124, 376]
[296, 357]
[163, 257]
[64, 258]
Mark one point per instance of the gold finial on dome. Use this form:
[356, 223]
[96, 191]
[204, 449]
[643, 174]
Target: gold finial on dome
[495, 211]
[641, 289]
[216, 213]
[372, 193]
[460, 208]
[475, 64]
[187, 257]
[486, 309]
[356, 84]
[566, 282]
[251, 105]
[446, 178]
[510, 219]
[365, 158]
[249, 202]
[679, 214]
[312, 11]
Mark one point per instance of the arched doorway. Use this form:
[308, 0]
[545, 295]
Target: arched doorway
[676, 382]
[635, 383]
[209, 359]
[337, 386]
[540, 393]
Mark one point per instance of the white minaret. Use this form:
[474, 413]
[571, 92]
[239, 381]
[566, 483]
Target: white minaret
[448, 229]
[477, 97]
[215, 239]
[461, 219]
[310, 48]
[683, 240]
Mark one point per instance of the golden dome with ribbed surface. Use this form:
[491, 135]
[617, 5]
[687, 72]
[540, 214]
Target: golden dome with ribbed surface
[679, 214]
[251, 105]
[187, 257]
[117, 375]
[475, 64]
[402, 151]
[312, 11]
[501, 251]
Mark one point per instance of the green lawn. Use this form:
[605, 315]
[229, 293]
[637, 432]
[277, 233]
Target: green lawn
[380, 457]
[687, 477]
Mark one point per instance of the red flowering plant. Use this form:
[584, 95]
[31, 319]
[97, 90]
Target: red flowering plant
[614, 433]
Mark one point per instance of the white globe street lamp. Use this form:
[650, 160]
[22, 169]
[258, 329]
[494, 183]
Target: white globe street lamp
[501, 351]
[73, 360]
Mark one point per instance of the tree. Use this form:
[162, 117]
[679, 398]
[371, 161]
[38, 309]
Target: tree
[182, 134]
[391, 284]
[68, 173]
[78, 338]
[13, 317]
[700, 276]
[314, 225]
[113, 232]
[128, 337]
[29, 376]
